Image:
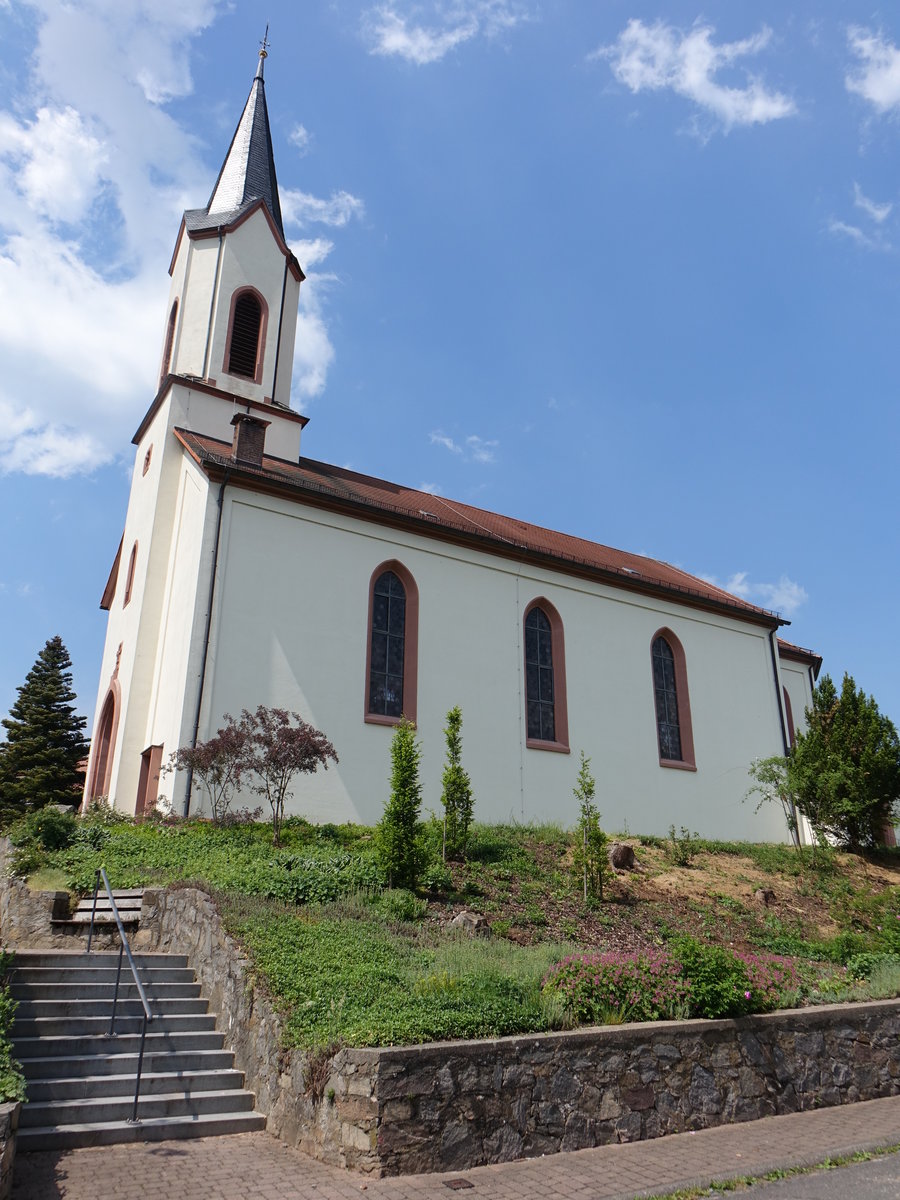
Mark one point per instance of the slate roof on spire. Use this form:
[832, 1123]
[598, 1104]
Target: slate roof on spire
[248, 172]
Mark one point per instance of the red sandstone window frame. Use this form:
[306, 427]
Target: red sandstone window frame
[129, 579]
[261, 340]
[560, 743]
[105, 742]
[688, 761]
[410, 645]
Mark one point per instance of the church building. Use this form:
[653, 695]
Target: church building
[250, 574]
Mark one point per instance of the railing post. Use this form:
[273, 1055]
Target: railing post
[137, 1082]
[94, 909]
[112, 1019]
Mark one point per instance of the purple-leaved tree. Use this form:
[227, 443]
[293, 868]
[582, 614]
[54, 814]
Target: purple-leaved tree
[280, 745]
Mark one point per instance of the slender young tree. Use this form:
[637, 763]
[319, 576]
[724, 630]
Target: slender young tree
[41, 759]
[398, 837]
[456, 791]
[590, 841]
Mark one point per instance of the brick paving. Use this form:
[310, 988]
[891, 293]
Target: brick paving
[255, 1166]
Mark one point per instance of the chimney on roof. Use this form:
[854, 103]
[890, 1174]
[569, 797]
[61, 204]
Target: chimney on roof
[249, 439]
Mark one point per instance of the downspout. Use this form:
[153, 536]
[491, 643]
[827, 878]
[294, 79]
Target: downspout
[795, 832]
[212, 306]
[209, 610]
[280, 323]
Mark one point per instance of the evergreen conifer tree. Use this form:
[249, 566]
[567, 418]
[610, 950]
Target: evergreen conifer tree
[45, 743]
[456, 791]
[398, 837]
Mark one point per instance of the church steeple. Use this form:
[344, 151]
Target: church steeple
[248, 172]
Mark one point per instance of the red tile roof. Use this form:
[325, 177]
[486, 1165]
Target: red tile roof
[324, 484]
[789, 650]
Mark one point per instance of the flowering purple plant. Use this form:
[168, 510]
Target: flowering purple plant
[774, 982]
[639, 987]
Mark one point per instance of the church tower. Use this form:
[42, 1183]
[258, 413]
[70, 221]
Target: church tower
[225, 375]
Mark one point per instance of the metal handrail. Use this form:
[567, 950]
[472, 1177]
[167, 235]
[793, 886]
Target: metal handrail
[148, 1015]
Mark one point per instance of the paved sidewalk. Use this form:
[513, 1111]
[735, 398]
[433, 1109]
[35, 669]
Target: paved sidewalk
[254, 1166]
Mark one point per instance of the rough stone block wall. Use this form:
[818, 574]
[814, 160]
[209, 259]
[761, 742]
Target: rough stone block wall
[9, 1123]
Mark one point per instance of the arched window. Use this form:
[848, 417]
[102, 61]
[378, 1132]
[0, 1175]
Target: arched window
[546, 718]
[129, 578]
[104, 741]
[391, 659]
[673, 710]
[246, 334]
[170, 338]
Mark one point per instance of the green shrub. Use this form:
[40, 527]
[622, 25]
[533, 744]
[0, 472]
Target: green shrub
[12, 1083]
[398, 904]
[861, 966]
[773, 981]
[589, 862]
[720, 985]
[456, 791]
[680, 848]
[47, 828]
[632, 987]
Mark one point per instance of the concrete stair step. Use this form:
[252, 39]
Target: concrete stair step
[99, 958]
[126, 1006]
[153, 1083]
[72, 1065]
[79, 917]
[90, 976]
[60, 1137]
[79, 1026]
[101, 1044]
[100, 993]
[107, 1109]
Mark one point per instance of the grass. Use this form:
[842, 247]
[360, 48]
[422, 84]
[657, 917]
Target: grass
[343, 975]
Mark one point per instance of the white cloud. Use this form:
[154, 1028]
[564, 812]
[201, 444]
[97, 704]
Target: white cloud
[440, 439]
[311, 252]
[475, 449]
[653, 57]
[392, 34]
[855, 234]
[431, 489]
[481, 451]
[301, 138]
[784, 597]
[55, 160]
[878, 212]
[300, 208]
[313, 351]
[877, 76]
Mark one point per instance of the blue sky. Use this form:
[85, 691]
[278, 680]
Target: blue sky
[625, 269]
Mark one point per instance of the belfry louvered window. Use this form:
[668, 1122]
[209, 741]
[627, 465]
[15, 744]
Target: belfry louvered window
[388, 646]
[243, 348]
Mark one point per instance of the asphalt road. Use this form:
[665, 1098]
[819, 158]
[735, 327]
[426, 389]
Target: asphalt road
[878, 1179]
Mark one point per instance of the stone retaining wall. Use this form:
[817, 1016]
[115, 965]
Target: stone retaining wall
[9, 1123]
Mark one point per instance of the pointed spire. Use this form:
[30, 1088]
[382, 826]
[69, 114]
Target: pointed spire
[248, 173]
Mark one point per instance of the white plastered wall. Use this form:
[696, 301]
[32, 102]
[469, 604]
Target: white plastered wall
[289, 628]
[797, 682]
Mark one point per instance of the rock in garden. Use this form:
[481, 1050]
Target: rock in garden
[473, 923]
[764, 896]
[621, 856]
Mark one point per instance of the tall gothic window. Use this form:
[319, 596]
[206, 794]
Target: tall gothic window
[392, 652]
[388, 638]
[670, 693]
[546, 718]
[539, 676]
[666, 692]
[243, 344]
[170, 338]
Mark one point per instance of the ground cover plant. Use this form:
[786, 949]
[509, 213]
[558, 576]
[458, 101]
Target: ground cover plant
[12, 1082]
[350, 959]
